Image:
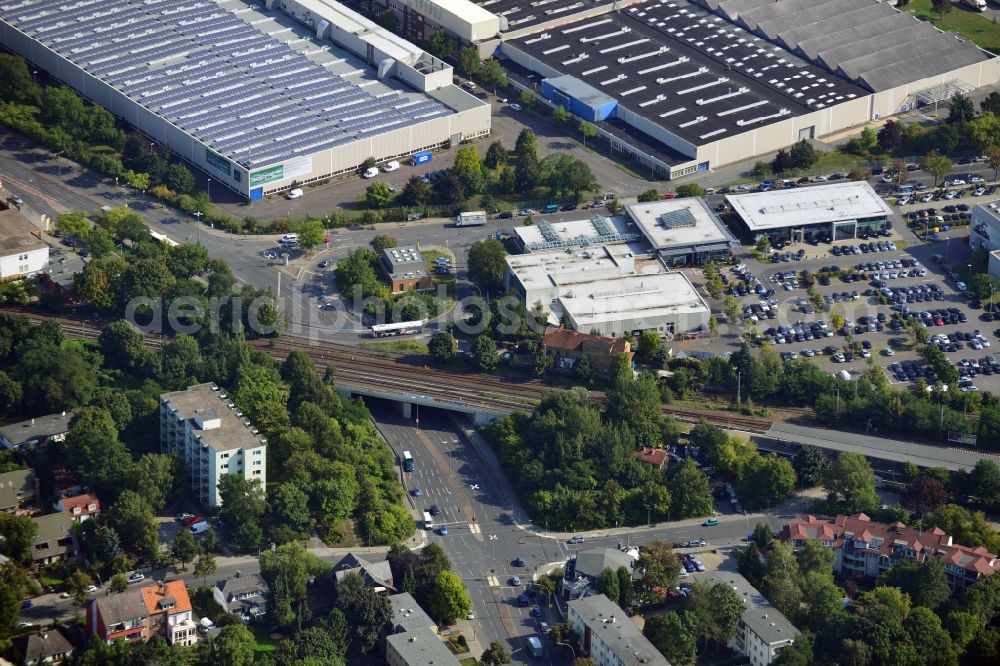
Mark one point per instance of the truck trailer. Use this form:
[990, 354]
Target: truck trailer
[473, 219]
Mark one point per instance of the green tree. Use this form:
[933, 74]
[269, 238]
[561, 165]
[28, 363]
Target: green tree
[136, 180]
[370, 612]
[936, 164]
[761, 170]
[799, 653]
[813, 556]
[204, 567]
[415, 192]
[487, 264]
[389, 20]
[94, 453]
[925, 582]
[442, 345]
[234, 646]
[180, 361]
[289, 509]
[187, 260]
[803, 155]
[675, 635]
[123, 345]
[496, 654]
[766, 481]
[850, 483]
[692, 495]
[781, 579]
[811, 464]
[607, 584]
[377, 195]
[659, 566]
[960, 107]
[450, 600]
[185, 548]
[135, 523]
[649, 195]
[18, 534]
[16, 82]
[153, 479]
[690, 190]
[626, 591]
[469, 63]
[718, 610]
[528, 169]
[484, 353]
[561, 116]
[469, 170]
[929, 637]
[587, 131]
[179, 179]
[493, 75]
[496, 156]
[242, 508]
[13, 585]
[440, 44]
[890, 136]
[118, 583]
[311, 234]
[77, 584]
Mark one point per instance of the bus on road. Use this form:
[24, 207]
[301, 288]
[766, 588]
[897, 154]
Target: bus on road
[428, 522]
[402, 328]
[407, 462]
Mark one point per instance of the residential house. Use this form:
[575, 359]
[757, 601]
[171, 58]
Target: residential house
[404, 269]
[608, 636]
[419, 647]
[763, 631]
[582, 571]
[35, 432]
[568, 346]
[23, 253]
[651, 456]
[55, 540]
[168, 609]
[205, 427]
[81, 507]
[243, 595]
[48, 646]
[64, 482]
[19, 491]
[121, 615]
[866, 549]
[377, 575]
[138, 614]
[407, 615]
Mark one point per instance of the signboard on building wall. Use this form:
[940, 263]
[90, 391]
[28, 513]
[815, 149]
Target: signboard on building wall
[300, 166]
[218, 163]
[268, 175]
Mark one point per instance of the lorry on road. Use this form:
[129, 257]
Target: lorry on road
[475, 218]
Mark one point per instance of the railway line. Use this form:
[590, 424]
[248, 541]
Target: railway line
[366, 369]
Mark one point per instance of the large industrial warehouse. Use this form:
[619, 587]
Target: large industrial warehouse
[257, 95]
[686, 87]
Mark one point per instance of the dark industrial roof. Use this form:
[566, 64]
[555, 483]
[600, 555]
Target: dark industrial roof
[691, 72]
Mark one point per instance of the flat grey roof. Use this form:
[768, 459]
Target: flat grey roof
[893, 450]
[407, 614]
[831, 202]
[612, 625]
[421, 647]
[18, 234]
[235, 432]
[688, 222]
[842, 35]
[521, 14]
[696, 75]
[248, 95]
[39, 427]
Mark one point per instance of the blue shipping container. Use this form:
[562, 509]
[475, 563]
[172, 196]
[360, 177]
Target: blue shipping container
[423, 157]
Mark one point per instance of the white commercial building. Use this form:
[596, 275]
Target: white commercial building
[984, 233]
[763, 632]
[462, 18]
[257, 95]
[596, 230]
[682, 231]
[22, 252]
[609, 290]
[205, 427]
[608, 636]
[837, 211]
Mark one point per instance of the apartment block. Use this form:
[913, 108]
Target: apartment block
[138, 614]
[213, 436]
[608, 636]
[866, 549]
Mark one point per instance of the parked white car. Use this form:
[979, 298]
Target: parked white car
[370, 172]
[294, 194]
[390, 166]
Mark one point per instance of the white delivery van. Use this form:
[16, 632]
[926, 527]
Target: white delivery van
[199, 528]
[370, 172]
[390, 166]
[294, 194]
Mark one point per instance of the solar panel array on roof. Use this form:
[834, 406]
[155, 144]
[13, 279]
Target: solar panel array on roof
[248, 95]
[871, 43]
[686, 70]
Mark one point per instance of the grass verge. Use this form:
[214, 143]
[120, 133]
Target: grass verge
[974, 26]
[397, 346]
[264, 641]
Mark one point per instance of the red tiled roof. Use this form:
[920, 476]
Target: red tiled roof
[650, 455]
[152, 594]
[82, 501]
[932, 543]
[565, 339]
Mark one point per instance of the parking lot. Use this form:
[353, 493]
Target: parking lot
[795, 298]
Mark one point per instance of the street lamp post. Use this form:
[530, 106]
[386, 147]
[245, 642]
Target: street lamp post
[208, 189]
[198, 214]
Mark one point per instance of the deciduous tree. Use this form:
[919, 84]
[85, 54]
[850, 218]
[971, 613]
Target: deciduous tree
[377, 195]
[185, 548]
[850, 483]
[493, 75]
[442, 345]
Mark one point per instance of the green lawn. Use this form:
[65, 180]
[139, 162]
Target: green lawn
[397, 346]
[264, 641]
[973, 26]
[49, 580]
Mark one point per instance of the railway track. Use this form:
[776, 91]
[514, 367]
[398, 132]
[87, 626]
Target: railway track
[360, 369]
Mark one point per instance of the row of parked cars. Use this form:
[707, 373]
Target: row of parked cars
[798, 332]
[863, 248]
[910, 371]
[917, 293]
